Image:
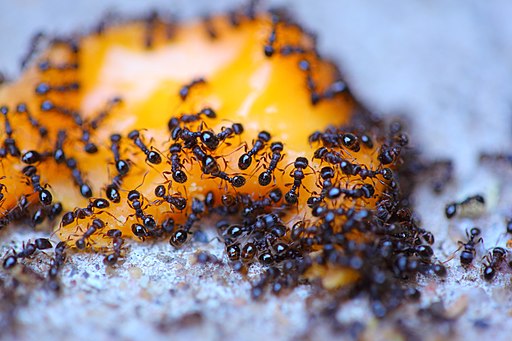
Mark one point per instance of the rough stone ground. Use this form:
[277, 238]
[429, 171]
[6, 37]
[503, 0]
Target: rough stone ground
[446, 65]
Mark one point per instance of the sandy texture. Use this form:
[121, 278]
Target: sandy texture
[444, 64]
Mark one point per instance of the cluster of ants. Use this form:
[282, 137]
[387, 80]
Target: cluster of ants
[338, 225]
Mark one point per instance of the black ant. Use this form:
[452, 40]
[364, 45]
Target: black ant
[51, 212]
[56, 263]
[151, 155]
[365, 191]
[287, 50]
[245, 159]
[237, 180]
[135, 202]
[33, 156]
[351, 142]
[18, 212]
[212, 141]
[269, 49]
[234, 18]
[210, 29]
[58, 153]
[252, 208]
[85, 190]
[34, 43]
[102, 115]
[329, 156]
[89, 147]
[44, 88]
[117, 244]
[189, 118]
[28, 250]
[9, 146]
[265, 177]
[209, 164]
[48, 105]
[470, 206]
[45, 197]
[122, 167]
[178, 174]
[46, 65]
[494, 260]
[326, 174]
[177, 201]
[300, 164]
[97, 224]
[150, 24]
[82, 213]
[468, 254]
[22, 108]
[181, 235]
[185, 90]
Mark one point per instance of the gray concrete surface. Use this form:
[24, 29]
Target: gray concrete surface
[447, 65]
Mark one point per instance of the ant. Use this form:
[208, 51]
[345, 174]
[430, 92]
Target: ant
[234, 18]
[365, 191]
[9, 146]
[178, 174]
[34, 43]
[151, 155]
[46, 65]
[494, 260]
[44, 88]
[82, 213]
[177, 201]
[265, 177]
[351, 142]
[150, 24]
[22, 108]
[269, 49]
[237, 180]
[58, 153]
[287, 50]
[56, 263]
[252, 208]
[48, 105]
[117, 244]
[245, 160]
[122, 167]
[28, 250]
[18, 212]
[181, 235]
[85, 190]
[185, 90]
[46, 211]
[470, 206]
[189, 118]
[33, 156]
[97, 224]
[96, 121]
[45, 197]
[327, 174]
[468, 254]
[329, 156]
[210, 29]
[209, 164]
[89, 147]
[135, 202]
[212, 141]
[300, 164]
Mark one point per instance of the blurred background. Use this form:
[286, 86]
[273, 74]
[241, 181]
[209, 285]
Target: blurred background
[446, 65]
